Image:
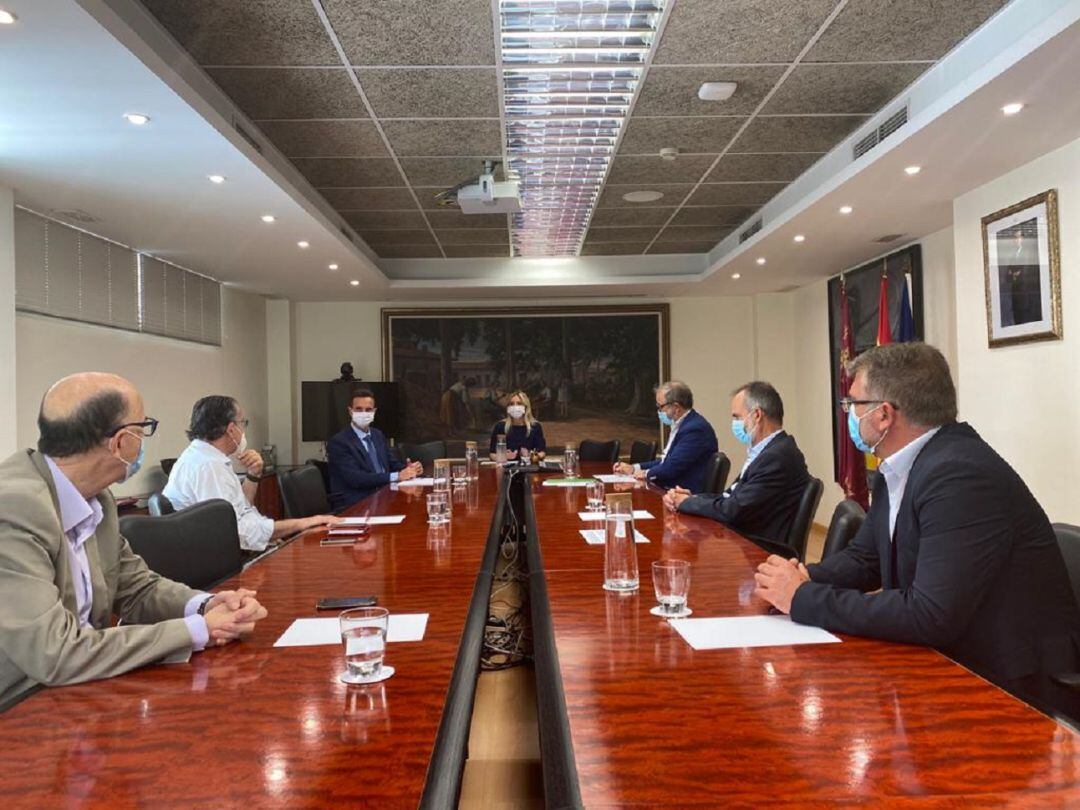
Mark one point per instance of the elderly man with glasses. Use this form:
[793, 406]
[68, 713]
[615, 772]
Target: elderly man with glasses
[65, 571]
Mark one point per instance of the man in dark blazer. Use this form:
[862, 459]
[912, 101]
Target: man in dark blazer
[359, 457]
[691, 443]
[763, 499]
[964, 557]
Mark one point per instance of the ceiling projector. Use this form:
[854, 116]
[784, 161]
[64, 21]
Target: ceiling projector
[486, 196]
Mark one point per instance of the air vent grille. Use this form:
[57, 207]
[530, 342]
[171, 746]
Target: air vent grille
[880, 133]
[889, 237]
[252, 141]
[755, 226]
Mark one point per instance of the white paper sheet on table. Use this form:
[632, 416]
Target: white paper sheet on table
[639, 514]
[370, 520]
[748, 631]
[595, 537]
[416, 482]
[616, 479]
[566, 482]
[314, 632]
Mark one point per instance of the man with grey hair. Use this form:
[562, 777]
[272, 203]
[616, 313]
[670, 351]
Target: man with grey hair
[955, 552]
[690, 444]
[764, 498]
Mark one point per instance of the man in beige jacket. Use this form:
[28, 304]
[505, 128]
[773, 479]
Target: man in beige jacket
[64, 568]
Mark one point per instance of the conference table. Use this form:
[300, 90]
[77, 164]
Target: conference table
[629, 714]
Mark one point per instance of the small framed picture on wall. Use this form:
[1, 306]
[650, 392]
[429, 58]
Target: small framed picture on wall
[1022, 267]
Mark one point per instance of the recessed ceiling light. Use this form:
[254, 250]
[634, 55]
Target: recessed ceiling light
[642, 196]
[1013, 108]
[355, 283]
[912, 170]
[216, 179]
[736, 276]
[7, 18]
[138, 119]
[332, 267]
[268, 218]
[716, 91]
[303, 244]
[846, 209]
[761, 260]
[800, 238]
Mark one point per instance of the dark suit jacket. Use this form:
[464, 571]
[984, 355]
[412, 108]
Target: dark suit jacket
[763, 500]
[352, 474]
[975, 569]
[687, 460]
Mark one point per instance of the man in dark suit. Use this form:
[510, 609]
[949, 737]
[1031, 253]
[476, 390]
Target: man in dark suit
[763, 499]
[964, 557]
[691, 443]
[359, 457]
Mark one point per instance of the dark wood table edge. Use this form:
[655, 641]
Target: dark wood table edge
[442, 787]
[557, 763]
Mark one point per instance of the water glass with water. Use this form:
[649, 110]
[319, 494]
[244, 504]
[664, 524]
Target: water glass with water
[441, 474]
[472, 462]
[438, 507]
[459, 474]
[570, 462]
[671, 581]
[620, 549]
[594, 493]
[363, 635]
[500, 450]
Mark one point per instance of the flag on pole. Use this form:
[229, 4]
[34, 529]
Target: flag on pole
[851, 470]
[884, 333]
[907, 321]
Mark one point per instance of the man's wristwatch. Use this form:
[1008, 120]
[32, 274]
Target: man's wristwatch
[202, 607]
[252, 478]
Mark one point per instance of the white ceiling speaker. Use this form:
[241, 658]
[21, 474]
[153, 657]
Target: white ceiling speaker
[642, 196]
[669, 153]
[716, 91]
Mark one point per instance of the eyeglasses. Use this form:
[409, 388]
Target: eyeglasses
[242, 422]
[847, 403]
[146, 428]
[661, 407]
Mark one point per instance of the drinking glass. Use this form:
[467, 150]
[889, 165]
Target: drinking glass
[570, 462]
[472, 461]
[438, 507]
[363, 635]
[671, 580]
[620, 549]
[459, 474]
[441, 473]
[500, 450]
[594, 493]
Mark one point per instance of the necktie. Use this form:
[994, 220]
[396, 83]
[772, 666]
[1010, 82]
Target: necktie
[369, 446]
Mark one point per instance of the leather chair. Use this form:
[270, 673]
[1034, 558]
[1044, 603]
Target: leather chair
[642, 451]
[425, 453]
[167, 465]
[303, 493]
[590, 450]
[804, 517]
[455, 448]
[1068, 538]
[324, 469]
[158, 505]
[716, 475]
[198, 546]
[846, 521]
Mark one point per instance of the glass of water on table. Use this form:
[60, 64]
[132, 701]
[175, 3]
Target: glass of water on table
[671, 581]
[594, 494]
[363, 635]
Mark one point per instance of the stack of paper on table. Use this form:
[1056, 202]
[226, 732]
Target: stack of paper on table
[616, 479]
[748, 631]
[566, 482]
[595, 537]
[368, 520]
[416, 482]
[313, 632]
[639, 514]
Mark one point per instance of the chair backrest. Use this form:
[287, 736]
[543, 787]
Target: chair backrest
[158, 505]
[167, 465]
[324, 469]
[1068, 538]
[455, 448]
[589, 450]
[302, 492]
[847, 519]
[799, 533]
[642, 451]
[425, 453]
[716, 473]
[198, 546]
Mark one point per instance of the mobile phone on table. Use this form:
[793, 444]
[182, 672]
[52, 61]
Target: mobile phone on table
[346, 602]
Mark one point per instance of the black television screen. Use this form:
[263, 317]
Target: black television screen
[324, 405]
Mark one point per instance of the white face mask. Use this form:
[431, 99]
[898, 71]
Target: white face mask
[242, 447]
[362, 419]
[516, 411]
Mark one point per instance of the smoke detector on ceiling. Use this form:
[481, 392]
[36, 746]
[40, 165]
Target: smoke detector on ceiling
[669, 153]
[716, 91]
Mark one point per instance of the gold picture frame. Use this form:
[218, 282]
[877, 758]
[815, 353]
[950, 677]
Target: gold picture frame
[1022, 272]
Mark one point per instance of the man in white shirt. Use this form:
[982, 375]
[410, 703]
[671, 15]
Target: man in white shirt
[204, 471]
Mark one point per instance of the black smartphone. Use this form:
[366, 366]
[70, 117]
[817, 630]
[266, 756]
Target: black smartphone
[346, 602]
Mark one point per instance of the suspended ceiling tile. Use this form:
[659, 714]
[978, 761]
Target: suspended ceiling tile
[647, 136]
[454, 218]
[473, 236]
[414, 32]
[270, 32]
[761, 167]
[436, 137]
[654, 169]
[614, 248]
[818, 89]
[369, 199]
[674, 193]
[325, 138]
[407, 251]
[797, 133]
[403, 236]
[291, 92]
[431, 92]
[352, 172]
[476, 251]
[734, 193]
[604, 234]
[693, 233]
[711, 32]
[373, 220]
[673, 90]
[680, 247]
[714, 215]
[873, 31]
[632, 216]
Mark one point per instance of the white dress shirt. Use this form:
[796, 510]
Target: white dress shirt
[751, 454]
[896, 469]
[203, 473]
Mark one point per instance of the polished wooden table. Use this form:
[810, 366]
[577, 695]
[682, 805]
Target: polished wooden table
[248, 725]
[650, 722]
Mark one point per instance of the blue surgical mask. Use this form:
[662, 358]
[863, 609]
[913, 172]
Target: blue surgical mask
[853, 423]
[738, 429]
[133, 466]
[665, 419]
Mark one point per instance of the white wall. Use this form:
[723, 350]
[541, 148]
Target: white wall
[170, 374]
[1024, 399]
[8, 436]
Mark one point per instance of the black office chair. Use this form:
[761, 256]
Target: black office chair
[642, 451]
[799, 533]
[590, 450]
[303, 493]
[198, 546]
[846, 521]
[455, 448]
[425, 453]
[167, 465]
[158, 505]
[716, 474]
[1068, 538]
[324, 469]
